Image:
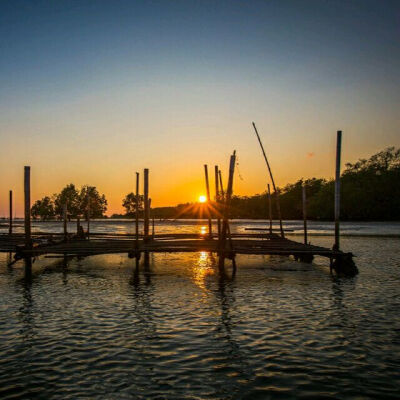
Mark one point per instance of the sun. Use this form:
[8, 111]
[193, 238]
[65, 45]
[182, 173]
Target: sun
[202, 199]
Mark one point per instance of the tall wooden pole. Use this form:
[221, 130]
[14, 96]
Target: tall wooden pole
[27, 198]
[217, 200]
[221, 186]
[304, 198]
[146, 204]
[228, 195]
[208, 202]
[337, 190]
[11, 214]
[270, 209]
[278, 205]
[65, 220]
[88, 212]
[137, 210]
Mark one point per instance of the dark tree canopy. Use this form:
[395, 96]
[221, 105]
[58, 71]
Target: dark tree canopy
[43, 209]
[129, 203]
[76, 201]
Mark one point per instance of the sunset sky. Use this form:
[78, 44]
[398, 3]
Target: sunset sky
[93, 91]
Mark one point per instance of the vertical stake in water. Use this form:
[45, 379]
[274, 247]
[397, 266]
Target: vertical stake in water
[217, 201]
[278, 205]
[208, 202]
[137, 211]
[228, 195]
[65, 220]
[337, 190]
[88, 211]
[27, 202]
[11, 215]
[146, 204]
[303, 190]
[269, 209]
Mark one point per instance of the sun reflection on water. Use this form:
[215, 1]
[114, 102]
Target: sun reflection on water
[202, 269]
[203, 231]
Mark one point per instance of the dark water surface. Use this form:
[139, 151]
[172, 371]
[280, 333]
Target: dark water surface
[178, 329]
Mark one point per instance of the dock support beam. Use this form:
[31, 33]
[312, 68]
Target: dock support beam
[208, 202]
[137, 211]
[217, 201]
[65, 220]
[27, 206]
[146, 204]
[88, 212]
[304, 198]
[225, 223]
[11, 214]
[270, 209]
[337, 190]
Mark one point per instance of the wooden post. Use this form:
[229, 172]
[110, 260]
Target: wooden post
[65, 220]
[11, 216]
[27, 196]
[217, 201]
[303, 187]
[270, 209]
[78, 224]
[221, 186]
[146, 204]
[337, 190]
[88, 212]
[228, 196]
[152, 219]
[208, 202]
[278, 205]
[137, 211]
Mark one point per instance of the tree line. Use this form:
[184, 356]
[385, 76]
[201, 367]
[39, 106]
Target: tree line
[76, 200]
[370, 190]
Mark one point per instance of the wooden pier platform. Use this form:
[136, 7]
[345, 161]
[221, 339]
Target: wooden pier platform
[257, 244]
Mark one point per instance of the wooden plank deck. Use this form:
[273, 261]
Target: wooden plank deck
[168, 243]
[111, 243]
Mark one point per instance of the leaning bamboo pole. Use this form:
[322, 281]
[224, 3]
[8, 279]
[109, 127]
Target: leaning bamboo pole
[278, 206]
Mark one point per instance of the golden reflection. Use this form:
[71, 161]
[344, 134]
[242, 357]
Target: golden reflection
[202, 269]
[203, 231]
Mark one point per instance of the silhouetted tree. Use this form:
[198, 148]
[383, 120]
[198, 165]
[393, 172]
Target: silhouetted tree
[69, 195]
[97, 202]
[129, 203]
[43, 209]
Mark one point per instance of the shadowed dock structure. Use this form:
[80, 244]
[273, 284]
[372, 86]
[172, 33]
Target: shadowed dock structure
[257, 244]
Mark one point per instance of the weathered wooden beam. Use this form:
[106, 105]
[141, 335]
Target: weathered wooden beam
[88, 212]
[137, 211]
[27, 206]
[146, 204]
[208, 201]
[270, 209]
[65, 221]
[10, 221]
[304, 200]
[217, 200]
[337, 190]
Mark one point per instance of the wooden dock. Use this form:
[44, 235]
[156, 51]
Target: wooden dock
[247, 243]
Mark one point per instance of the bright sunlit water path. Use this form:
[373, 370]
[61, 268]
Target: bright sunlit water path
[98, 328]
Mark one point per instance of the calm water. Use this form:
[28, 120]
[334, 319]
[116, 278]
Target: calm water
[177, 329]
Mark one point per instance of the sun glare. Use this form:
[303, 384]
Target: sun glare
[202, 199]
